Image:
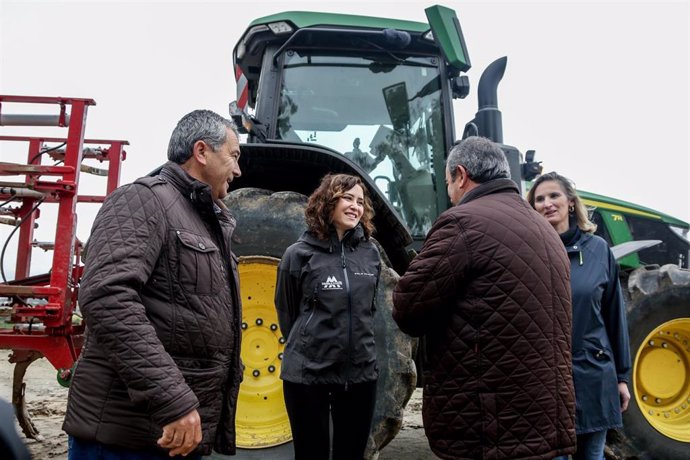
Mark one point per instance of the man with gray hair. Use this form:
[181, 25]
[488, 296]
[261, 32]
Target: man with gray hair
[160, 370]
[490, 290]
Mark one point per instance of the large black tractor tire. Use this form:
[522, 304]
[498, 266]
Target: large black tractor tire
[267, 224]
[657, 422]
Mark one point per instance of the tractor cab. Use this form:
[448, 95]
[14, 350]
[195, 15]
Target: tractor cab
[376, 92]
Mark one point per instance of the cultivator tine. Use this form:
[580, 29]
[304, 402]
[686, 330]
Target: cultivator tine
[93, 170]
[18, 395]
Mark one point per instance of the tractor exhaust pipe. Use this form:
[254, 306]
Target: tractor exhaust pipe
[488, 121]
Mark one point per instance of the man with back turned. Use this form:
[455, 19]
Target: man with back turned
[490, 291]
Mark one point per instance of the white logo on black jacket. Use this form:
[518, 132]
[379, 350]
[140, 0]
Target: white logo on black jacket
[332, 283]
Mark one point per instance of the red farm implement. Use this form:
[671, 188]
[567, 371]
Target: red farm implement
[37, 311]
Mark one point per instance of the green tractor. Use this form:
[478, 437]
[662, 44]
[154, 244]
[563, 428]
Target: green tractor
[374, 97]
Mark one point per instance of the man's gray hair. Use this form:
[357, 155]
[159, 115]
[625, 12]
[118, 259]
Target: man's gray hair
[483, 160]
[199, 125]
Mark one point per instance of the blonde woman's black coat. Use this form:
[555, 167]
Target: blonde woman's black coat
[601, 349]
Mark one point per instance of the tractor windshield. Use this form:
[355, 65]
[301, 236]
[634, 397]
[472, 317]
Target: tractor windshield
[384, 114]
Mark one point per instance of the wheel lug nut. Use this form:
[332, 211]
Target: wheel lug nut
[664, 345]
[274, 327]
[281, 340]
[256, 372]
[657, 400]
[644, 397]
[259, 321]
[280, 356]
[651, 343]
[244, 325]
[271, 368]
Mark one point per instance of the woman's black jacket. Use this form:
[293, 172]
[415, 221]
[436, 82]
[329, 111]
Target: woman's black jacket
[325, 295]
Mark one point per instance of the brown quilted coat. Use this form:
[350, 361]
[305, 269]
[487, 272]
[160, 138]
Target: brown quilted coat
[160, 299]
[490, 290]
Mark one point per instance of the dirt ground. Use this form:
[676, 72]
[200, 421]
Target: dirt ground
[46, 401]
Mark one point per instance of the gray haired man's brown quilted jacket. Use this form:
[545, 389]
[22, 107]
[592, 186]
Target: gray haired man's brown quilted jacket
[160, 299]
[490, 289]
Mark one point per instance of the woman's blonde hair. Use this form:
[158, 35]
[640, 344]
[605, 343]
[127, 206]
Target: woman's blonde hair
[581, 212]
[323, 200]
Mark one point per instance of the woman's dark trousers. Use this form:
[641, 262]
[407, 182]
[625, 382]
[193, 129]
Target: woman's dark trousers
[351, 410]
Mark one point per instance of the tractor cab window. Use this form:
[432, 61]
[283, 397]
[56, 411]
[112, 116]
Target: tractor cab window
[674, 248]
[382, 113]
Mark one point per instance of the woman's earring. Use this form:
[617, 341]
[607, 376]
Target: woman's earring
[571, 209]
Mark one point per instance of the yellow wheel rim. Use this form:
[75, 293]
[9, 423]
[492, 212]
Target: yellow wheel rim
[661, 378]
[261, 420]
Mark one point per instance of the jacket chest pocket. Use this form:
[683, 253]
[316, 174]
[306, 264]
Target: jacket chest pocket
[200, 268]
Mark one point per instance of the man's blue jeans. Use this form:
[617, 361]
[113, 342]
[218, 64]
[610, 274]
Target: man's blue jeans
[590, 446]
[87, 450]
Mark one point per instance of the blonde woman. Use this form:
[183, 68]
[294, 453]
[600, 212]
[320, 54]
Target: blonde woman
[600, 346]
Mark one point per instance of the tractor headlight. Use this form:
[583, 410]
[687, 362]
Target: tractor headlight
[242, 46]
[280, 28]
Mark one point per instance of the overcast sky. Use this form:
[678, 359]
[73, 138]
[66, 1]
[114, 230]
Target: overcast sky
[599, 89]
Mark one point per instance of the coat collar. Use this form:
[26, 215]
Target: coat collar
[199, 193]
[575, 245]
[195, 190]
[573, 234]
[488, 188]
[351, 238]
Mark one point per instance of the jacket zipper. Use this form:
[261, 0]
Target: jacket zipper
[313, 309]
[349, 315]
[227, 262]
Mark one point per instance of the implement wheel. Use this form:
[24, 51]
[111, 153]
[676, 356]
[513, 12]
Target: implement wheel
[657, 422]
